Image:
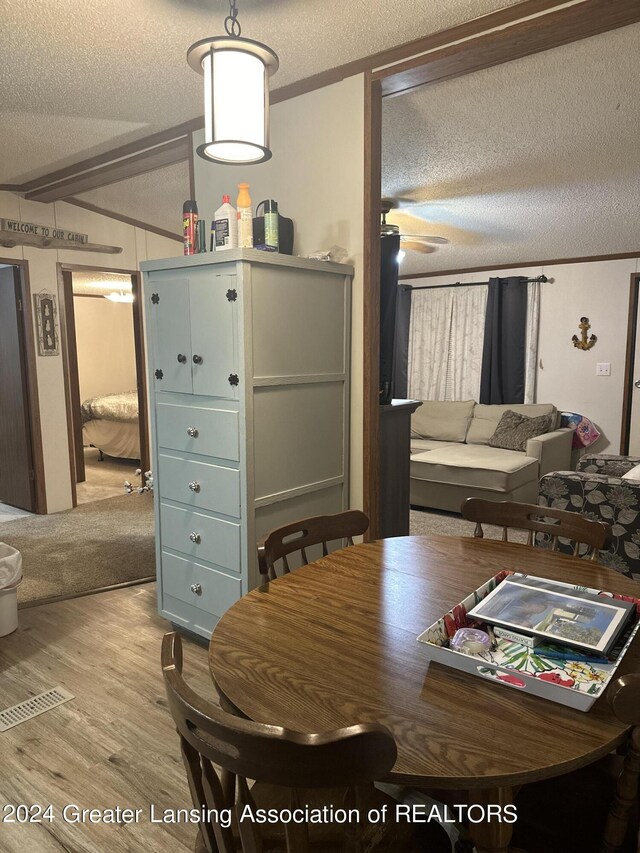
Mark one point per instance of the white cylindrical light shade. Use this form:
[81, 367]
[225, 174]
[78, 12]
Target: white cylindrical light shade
[236, 98]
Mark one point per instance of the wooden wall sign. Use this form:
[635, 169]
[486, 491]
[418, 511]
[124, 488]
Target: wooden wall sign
[46, 318]
[33, 230]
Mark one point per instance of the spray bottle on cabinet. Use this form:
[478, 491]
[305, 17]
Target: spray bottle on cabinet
[189, 220]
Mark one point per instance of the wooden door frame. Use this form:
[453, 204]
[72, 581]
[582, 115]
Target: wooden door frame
[69, 355]
[483, 47]
[31, 371]
[632, 332]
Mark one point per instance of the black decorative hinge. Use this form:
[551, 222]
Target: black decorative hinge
[232, 295]
[233, 379]
[159, 374]
[155, 298]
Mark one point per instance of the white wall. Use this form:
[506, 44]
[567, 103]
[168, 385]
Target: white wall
[316, 175]
[105, 345]
[137, 245]
[566, 376]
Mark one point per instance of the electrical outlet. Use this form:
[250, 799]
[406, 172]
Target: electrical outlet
[603, 368]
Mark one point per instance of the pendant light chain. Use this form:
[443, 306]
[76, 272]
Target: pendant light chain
[231, 22]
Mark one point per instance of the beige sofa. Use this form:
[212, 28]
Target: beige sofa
[451, 459]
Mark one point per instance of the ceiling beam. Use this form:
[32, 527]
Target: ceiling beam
[120, 217]
[166, 154]
[559, 27]
[119, 153]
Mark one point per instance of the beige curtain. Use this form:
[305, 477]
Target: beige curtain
[531, 346]
[446, 337]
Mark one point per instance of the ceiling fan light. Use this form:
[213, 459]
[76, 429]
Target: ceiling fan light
[236, 98]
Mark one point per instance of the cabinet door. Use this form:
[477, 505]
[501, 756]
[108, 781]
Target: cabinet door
[168, 313]
[214, 301]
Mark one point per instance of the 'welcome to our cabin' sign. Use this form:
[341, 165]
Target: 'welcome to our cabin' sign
[42, 231]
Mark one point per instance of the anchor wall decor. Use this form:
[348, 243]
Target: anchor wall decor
[583, 342]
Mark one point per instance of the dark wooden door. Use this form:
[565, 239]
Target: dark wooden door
[16, 464]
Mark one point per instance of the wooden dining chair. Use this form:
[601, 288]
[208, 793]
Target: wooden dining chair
[592, 810]
[536, 519]
[291, 770]
[300, 535]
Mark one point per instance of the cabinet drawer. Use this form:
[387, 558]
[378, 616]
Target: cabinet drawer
[213, 592]
[200, 484]
[193, 429]
[216, 541]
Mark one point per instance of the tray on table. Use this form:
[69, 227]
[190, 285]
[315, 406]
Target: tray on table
[574, 683]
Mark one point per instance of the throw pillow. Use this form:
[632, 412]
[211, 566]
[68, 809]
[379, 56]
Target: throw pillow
[514, 430]
[633, 474]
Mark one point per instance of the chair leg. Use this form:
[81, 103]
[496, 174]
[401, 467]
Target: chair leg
[626, 796]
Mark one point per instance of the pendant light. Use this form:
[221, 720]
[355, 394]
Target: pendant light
[236, 94]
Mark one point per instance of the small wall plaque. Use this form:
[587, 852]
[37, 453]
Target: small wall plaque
[47, 321]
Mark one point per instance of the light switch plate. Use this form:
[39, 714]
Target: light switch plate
[603, 368]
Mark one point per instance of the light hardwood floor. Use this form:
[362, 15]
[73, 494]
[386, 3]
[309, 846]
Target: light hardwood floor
[114, 744]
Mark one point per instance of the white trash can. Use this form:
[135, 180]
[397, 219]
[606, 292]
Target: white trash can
[10, 578]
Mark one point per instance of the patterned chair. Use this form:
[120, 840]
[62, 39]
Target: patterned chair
[598, 491]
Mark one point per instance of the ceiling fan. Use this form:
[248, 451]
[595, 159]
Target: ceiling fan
[408, 242]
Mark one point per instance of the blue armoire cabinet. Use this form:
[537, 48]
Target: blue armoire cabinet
[248, 358]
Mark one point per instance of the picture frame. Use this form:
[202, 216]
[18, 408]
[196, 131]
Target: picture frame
[590, 623]
[46, 311]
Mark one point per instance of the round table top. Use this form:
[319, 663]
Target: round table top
[334, 643]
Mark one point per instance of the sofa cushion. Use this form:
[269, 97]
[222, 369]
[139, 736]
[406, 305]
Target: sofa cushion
[477, 466]
[485, 418]
[442, 420]
[420, 445]
[515, 429]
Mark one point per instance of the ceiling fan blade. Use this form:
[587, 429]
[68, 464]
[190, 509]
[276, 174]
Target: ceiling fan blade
[414, 246]
[428, 238]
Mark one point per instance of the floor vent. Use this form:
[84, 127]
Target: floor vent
[11, 717]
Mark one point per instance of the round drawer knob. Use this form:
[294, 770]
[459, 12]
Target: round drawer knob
[194, 486]
[195, 537]
[193, 432]
[197, 359]
[196, 588]
[182, 358]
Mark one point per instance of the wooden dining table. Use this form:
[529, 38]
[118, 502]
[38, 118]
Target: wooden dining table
[334, 643]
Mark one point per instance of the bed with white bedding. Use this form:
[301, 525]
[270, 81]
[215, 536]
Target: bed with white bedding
[111, 424]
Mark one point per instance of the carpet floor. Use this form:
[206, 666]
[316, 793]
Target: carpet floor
[94, 546]
[433, 521]
[105, 479]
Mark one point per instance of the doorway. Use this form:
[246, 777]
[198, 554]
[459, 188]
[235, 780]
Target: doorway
[21, 457]
[102, 342]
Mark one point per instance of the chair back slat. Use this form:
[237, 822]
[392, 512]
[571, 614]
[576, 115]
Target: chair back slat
[301, 535]
[555, 523]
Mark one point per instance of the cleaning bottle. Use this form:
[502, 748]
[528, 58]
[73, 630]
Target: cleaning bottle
[245, 218]
[226, 225]
[189, 220]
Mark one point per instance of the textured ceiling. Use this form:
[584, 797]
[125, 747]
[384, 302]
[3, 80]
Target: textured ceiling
[77, 79]
[155, 197]
[99, 282]
[536, 159]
